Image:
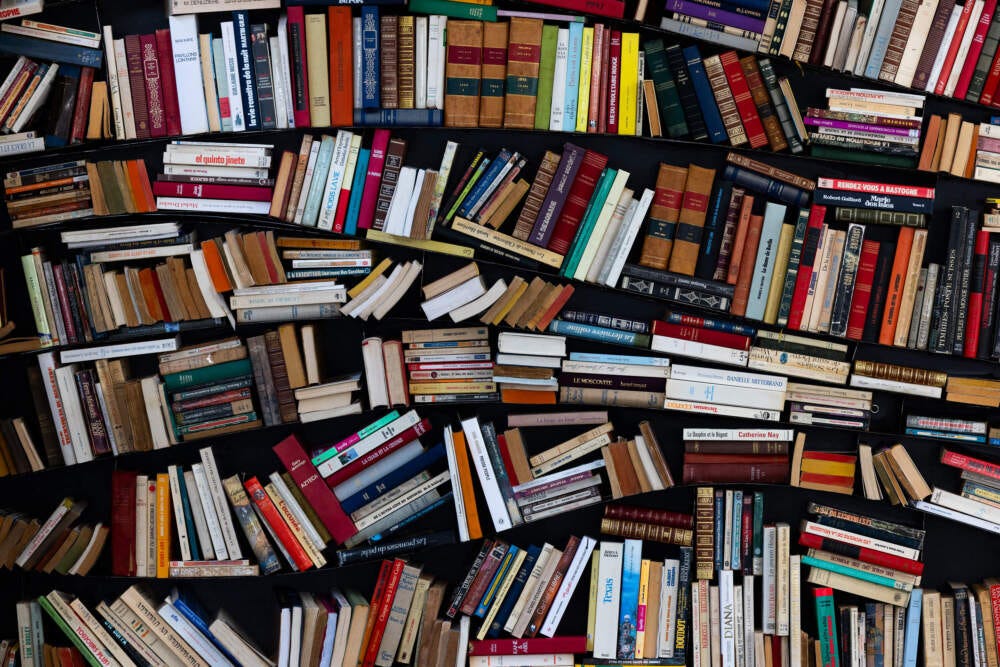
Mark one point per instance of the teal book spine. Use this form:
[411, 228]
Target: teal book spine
[886, 23]
[631, 567]
[574, 56]
[192, 530]
[826, 620]
[616, 359]
[546, 73]
[318, 184]
[758, 533]
[912, 635]
[760, 285]
[455, 10]
[602, 334]
[357, 190]
[736, 530]
[590, 216]
[849, 571]
[207, 375]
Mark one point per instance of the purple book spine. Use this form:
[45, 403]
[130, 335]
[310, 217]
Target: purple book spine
[555, 198]
[861, 127]
[722, 16]
[988, 144]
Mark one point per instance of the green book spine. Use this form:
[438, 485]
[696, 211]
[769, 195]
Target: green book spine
[794, 258]
[207, 375]
[590, 216]
[360, 435]
[850, 572]
[863, 157]
[455, 10]
[113, 196]
[77, 642]
[230, 421]
[318, 184]
[758, 533]
[826, 619]
[779, 27]
[192, 530]
[546, 72]
[667, 98]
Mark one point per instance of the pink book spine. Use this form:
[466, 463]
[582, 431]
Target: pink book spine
[978, 39]
[375, 164]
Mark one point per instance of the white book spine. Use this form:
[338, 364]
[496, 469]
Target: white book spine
[297, 511]
[456, 485]
[29, 145]
[198, 514]
[608, 207]
[286, 65]
[213, 205]
[177, 504]
[80, 629]
[420, 79]
[783, 539]
[720, 376]
[278, 74]
[47, 366]
[615, 262]
[37, 99]
[402, 501]
[795, 608]
[949, 35]
[300, 208]
[187, 71]
[727, 395]
[220, 501]
[74, 414]
[866, 382]
[232, 76]
[697, 660]
[357, 60]
[559, 81]
[861, 540]
[122, 87]
[706, 351]
[435, 36]
[534, 578]
[769, 434]
[192, 636]
[963, 48]
[609, 575]
[453, 298]
[43, 532]
[395, 222]
[915, 42]
[727, 618]
[966, 505]
[120, 350]
[594, 259]
[667, 628]
[334, 180]
[369, 443]
[441, 59]
[568, 585]
[769, 585]
[717, 409]
[487, 476]
[141, 531]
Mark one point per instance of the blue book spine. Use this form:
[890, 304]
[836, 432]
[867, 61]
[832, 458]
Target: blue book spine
[315, 194]
[244, 63]
[573, 57]
[57, 52]
[760, 284]
[514, 592]
[393, 479]
[718, 536]
[617, 359]
[357, 190]
[192, 530]
[890, 10]
[912, 634]
[947, 435]
[602, 334]
[706, 98]
[494, 585]
[195, 614]
[737, 532]
[440, 502]
[631, 567]
[484, 182]
[399, 117]
[714, 325]
[370, 75]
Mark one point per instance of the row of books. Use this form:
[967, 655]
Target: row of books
[961, 148]
[975, 504]
[61, 543]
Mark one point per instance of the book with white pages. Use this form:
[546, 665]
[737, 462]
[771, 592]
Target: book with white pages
[477, 306]
[457, 296]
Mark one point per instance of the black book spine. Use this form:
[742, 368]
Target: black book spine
[262, 73]
[120, 639]
[685, 90]
[463, 588]
[75, 307]
[960, 313]
[600, 320]
[245, 64]
[61, 103]
[963, 636]
[941, 317]
[497, 253]
[684, 295]
[714, 228]
[880, 285]
[988, 328]
[845, 289]
[869, 531]
[683, 605]
[679, 280]
[395, 548]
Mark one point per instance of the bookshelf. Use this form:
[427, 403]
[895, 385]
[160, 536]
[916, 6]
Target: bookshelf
[252, 601]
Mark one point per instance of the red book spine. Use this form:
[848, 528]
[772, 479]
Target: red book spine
[744, 100]
[990, 85]
[594, 101]
[82, 110]
[377, 595]
[736, 473]
[995, 606]
[356, 466]
[210, 191]
[214, 399]
[964, 462]
[612, 8]
[722, 338]
[649, 515]
[123, 523]
[272, 270]
[614, 79]
[576, 202]
[977, 284]
[63, 298]
[861, 553]
[533, 646]
[862, 289]
[342, 203]
[162, 300]
[278, 525]
[483, 578]
[293, 456]
[602, 114]
[975, 48]
[694, 458]
[376, 164]
[171, 106]
[949, 60]
[154, 86]
[829, 480]
[340, 47]
[505, 456]
[297, 54]
[382, 614]
[137, 85]
[814, 229]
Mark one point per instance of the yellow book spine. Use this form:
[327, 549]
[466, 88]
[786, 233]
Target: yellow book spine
[316, 61]
[162, 526]
[838, 468]
[778, 277]
[586, 64]
[595, 561]
[641, 620]
[452, 387]
[628, 83]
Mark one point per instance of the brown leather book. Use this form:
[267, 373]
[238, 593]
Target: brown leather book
[494, 74]
[196, 295]
[511, 198]
[389, 65]
[808, 42]
[406, 64]
[624, 470]
[287, 405]
[394, 156]
[724, 98]
[131, 317]
[535, 287]
[761, 99]
[663, 214]
[283, 184]
[149, 295]
[463, 73]
[175, 306]
[301, 162]
[742, 293]
[691, 220]
[255, 259]
[423, 208]
[646, 531]
[141, 437]
[897, 40]
[523, 56]
[536, 195]
[176, 267]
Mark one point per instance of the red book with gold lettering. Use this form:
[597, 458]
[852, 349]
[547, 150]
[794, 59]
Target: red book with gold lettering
[281, 530]
[862, 289]
[341, 66]
[744, 99]
[813, 231]
[576, 202]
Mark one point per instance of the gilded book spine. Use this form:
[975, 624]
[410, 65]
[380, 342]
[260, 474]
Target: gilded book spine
[463, 73]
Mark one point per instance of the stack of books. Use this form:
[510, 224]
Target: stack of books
[874, 558]
[717, 391]
[648, 524]
[822, 471]
[798, 356]
[947, 428]
[331, 398]
[225, 164]
[461, 294]
[976, 504]
[377, 294]
[50, 193]
[385, 378]
[701, 339]
[522, 591]
[59, 544]
[528, 305]
[888, 134]
[901, 480]
[323, 295]
[629, 379]
[525, 366]
[317, 258]
[736, 455]
[901, 379]
[817, 405]
[449, 365]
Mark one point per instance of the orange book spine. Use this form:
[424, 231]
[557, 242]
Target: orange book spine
[553, 310]
[741, 238]
[894, 292]
[468, 491]
[741, 294]
[381, 613]
[341, 44]
[216, 269]
[525, 396]
[162, 526]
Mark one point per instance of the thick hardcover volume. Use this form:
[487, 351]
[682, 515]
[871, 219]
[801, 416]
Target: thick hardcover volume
[171, 107]
[555, 198]
[704, 96]
[389, 61]
[245, 73]
[536, 195]
[685, 92]
[726, 103]
[758, 91]
[523, 58]
[371, 93]
[746, 101]
[668, 100]
[863, 285]
[262, 76]
[576, 202]
[663, 214]
[394, 156]
[317, 493]
[297, 67]
[691, 220]
[704, 526]
[340, 39]
[406, 62]
[813, 232]
[154, 86]
[494, 74]
[933, 44]
[133, 55]
[123, 542]
[897, 40]
[463, 73]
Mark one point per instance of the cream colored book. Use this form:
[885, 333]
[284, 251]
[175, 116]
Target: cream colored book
[603, 219]
[963, 145]
[453, 279]
[316, 61]
[948, 631]
[950, 142]
[793, 28]
[932, 635]
[208, 81]
[915, 43]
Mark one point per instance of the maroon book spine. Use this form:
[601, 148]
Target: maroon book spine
[862, 289]
[614, 79]
[723, 473]
[154, 86]
[80, 113]
[359, 464]
[649, 515]
[533, 646]
[123, 523]
[293, 456]
[137, 83]
[203, 191]
[86, 383]
[60, 278]
[576, 202]
[483, 578]
[171, 106]
[721, 338]
[746, 534]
